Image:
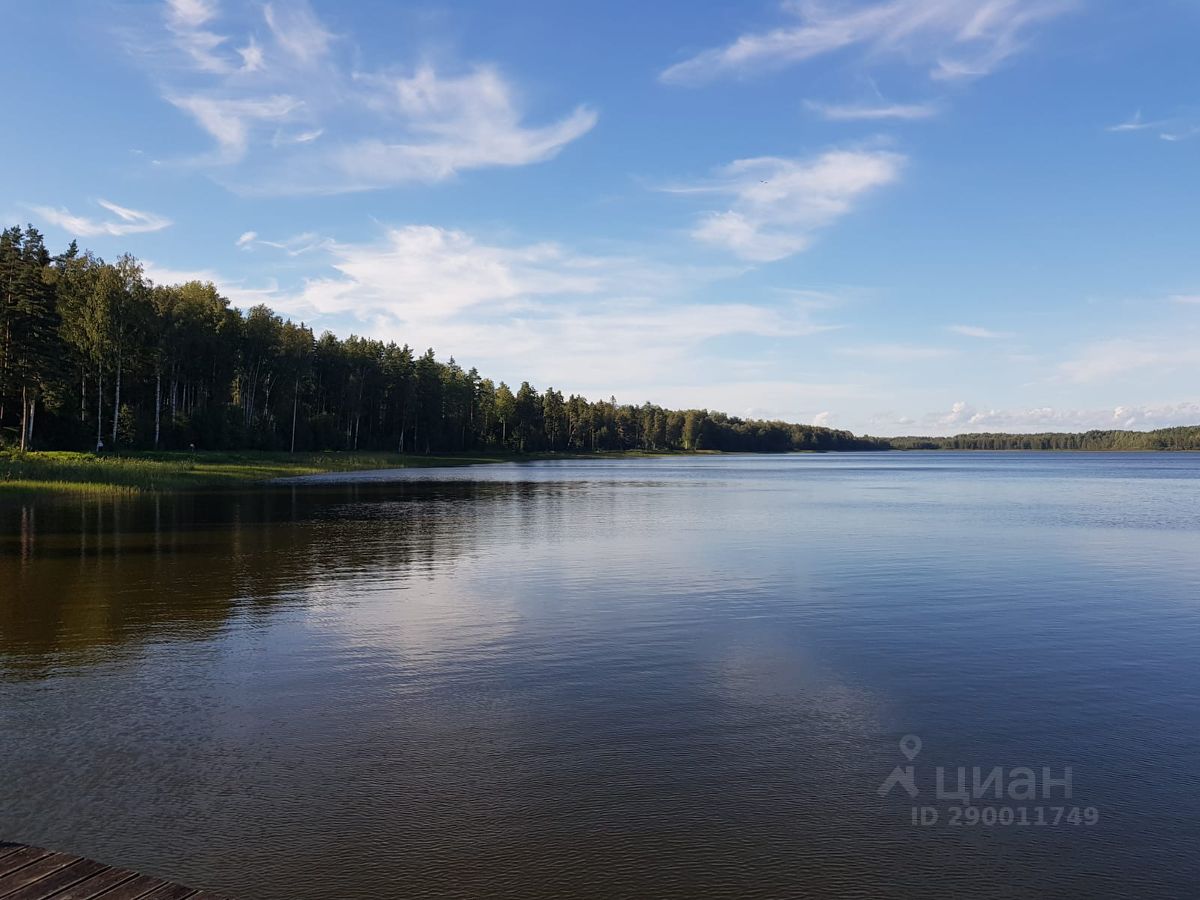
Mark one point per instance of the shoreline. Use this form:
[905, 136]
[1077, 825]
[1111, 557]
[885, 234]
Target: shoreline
[135, 472]
[71, 472]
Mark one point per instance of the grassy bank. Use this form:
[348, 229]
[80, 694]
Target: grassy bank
[131, 472]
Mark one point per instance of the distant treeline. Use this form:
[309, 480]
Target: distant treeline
[1185, 438]
[92, 353]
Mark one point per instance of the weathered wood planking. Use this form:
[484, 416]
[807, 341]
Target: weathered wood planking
[31, 873]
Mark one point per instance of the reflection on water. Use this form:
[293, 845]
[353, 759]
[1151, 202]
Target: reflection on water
[91, 574]
[633, 678]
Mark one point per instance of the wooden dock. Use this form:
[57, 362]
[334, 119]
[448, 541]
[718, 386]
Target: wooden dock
[30, 873]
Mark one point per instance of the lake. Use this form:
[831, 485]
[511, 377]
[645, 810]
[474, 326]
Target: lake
[669, 677]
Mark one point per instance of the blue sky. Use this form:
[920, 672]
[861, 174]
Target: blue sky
[894, 217]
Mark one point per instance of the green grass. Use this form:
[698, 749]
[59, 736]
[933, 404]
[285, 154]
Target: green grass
[89, 473]
[85, 488]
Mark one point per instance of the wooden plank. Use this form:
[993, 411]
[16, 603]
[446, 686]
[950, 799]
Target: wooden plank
[64, 878]
[35, 871]
[31, 873]
[170, 892]
[134, 888]
[104, 880]
[22, 857]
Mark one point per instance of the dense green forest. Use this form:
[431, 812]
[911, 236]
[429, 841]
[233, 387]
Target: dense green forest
[92, 354]
[1185, 438]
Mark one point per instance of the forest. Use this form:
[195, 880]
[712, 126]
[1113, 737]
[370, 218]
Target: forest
[93, 355]
[1181, 438]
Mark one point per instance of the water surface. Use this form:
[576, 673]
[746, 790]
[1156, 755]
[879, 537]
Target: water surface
[673, 677]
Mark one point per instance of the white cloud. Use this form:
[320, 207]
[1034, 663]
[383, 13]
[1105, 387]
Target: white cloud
[1179, 127]
[297, 245]
[1156, 416]
[964, 418]
[128, 221]
[745, 237]
[252, 56]
[1107, 360]
[190, 13]
[424, 272]
[777, 203]
[265, 97]
[185, 20]
[1184, 298]
[1180, 134]
[298, 31]
[896, 353]
[1134, 123]
[822, 419]
[976, 331]
[452, 124]
[231, 122]
[539, 310]
[282, 138]
[1164, 359]
[955, 38]
[870, 112]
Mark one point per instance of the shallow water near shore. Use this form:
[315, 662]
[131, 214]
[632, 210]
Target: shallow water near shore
[676, 677]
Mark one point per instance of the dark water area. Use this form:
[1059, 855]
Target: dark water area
[682, 677]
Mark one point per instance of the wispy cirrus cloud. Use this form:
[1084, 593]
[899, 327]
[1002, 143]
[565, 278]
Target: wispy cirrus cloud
[187, 22]
[1180, 134]
[873, 112]
[954, 38]
[776, 203]
[1178, 127]
[297, 245]
[126, 221]
[289, 112]
[975, 331]
[1108, 360]
[231, 122]
[1133, 123]
[451, 124]
[298, 32]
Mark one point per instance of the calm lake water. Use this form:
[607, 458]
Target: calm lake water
[678, 677]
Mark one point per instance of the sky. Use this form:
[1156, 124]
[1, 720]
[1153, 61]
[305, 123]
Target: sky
[896, 217]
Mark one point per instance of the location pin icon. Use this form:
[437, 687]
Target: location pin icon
[910, 746]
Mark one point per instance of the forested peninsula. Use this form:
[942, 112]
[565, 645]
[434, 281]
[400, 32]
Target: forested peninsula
[95, 356]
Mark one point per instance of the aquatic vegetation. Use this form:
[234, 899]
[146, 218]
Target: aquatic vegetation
[57, 470]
